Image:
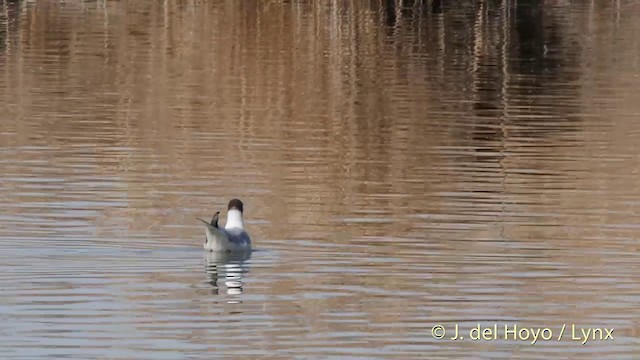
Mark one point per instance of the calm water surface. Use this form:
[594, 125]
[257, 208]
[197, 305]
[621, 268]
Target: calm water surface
[403, 165]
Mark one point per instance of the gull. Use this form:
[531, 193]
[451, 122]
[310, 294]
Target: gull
[233, 237]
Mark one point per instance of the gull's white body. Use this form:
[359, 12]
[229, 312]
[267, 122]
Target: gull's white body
[232, 238]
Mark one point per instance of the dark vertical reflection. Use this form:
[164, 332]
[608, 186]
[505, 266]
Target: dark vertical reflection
[390, 12]
[529, 37]
[436, 6]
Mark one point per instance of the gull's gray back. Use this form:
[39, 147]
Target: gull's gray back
[237, 235]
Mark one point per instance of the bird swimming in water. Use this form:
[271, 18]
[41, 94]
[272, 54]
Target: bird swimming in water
[233, 237]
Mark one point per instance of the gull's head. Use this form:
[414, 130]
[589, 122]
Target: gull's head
[236, 204]
[234, 215]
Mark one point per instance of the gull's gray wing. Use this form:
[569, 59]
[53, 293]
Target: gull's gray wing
[237, 236]
[214, 232]
[214, 220]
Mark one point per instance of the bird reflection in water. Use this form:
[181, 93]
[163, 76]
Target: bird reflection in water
[225, 271]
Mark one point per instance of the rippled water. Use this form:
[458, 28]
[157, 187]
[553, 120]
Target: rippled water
[403, 165]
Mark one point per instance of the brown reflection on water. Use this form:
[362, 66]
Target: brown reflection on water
[403, 163]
